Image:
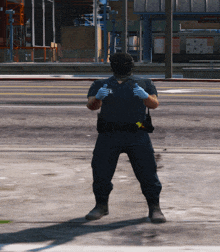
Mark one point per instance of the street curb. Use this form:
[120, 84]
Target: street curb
[52, 78]
[97, 78]
[185, 80]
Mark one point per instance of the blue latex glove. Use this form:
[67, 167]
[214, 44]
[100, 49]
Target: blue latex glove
[140, 92]
[102, 92]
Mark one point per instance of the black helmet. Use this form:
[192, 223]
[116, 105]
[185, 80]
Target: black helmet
[122, 63]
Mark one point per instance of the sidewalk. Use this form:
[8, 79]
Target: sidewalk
[75, 76]
[93, 77]
[47, 190]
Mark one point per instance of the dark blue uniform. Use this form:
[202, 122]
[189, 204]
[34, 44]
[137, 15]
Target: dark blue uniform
[121, 106]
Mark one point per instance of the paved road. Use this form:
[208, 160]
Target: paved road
[188, 115]
[47, 138]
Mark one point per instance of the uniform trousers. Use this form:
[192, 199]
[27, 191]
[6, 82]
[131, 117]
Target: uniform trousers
[141, 155]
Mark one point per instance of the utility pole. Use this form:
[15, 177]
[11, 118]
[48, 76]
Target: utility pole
[33, 25]
[169, 39]
[124, 47]
[43, 8]
[95, 11]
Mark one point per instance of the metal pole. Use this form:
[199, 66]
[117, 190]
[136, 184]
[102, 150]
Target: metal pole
[93, 20]
[43, 8]
[96, 31]
[11, 12]
[54, 29]
[105, 34]
[112, 46]
[124, 47]
[147, 52]
[169, 39]
[11, 37]
[33, 25]
[140, 39]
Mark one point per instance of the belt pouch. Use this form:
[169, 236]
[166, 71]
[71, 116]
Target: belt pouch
[147, 123]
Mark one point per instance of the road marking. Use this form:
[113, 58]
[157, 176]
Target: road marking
[203, 88]
[71, 94]
[43, 106]
[173, 91]
[41, 94]
[86, 87]
[45, 87]
[70, 248]
[189, 95]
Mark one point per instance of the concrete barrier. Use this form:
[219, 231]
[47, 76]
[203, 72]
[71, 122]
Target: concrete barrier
[188, 70]
[201, 73]
[81, 68]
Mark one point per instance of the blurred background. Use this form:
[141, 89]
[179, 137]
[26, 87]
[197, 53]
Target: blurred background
[64, 31]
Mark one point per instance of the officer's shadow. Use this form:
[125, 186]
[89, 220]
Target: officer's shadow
[63, 232]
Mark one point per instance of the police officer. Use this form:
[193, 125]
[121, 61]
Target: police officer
[123, 99]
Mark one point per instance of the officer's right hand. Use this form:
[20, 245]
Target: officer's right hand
[102, 93]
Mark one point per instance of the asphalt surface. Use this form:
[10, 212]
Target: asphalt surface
[47, 138]
[60, 77]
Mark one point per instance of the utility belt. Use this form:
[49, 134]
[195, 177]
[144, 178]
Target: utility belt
[104, 126]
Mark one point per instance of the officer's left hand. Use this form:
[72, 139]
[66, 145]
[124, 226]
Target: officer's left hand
[140, 92]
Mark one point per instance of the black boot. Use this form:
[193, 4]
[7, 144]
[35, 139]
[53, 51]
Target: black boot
[97, 212]
[155, 214]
